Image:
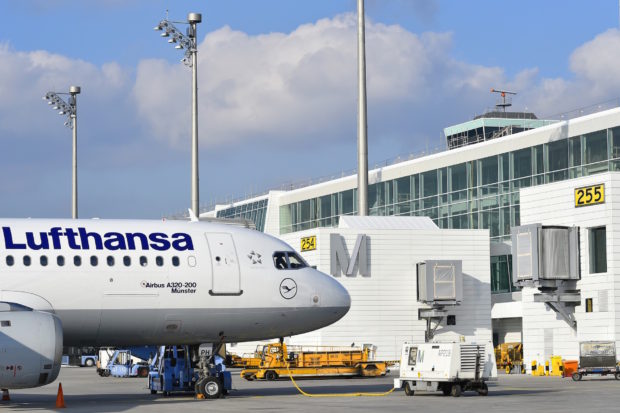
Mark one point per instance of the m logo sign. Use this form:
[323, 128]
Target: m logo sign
[340, 260]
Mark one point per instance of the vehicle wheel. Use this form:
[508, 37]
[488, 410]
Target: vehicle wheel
[143, 372]
[508, 369]
[408, 390]
[89, 362]
[483, 390]
[166, 393]
[456, 390]
[446, 390]
[106, 373]
[617, 376]
[270, 375]
[211, 388]
[153, 391]
[576, 376]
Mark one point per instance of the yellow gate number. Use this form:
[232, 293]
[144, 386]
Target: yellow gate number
[590, 195]
[308, 243]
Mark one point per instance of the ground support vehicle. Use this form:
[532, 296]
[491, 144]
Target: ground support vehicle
[280, 360]
[509, 355]
[173, 371]
[80, 356]
[447, 367]
[123, 364]
[247, 361]
[597, 358]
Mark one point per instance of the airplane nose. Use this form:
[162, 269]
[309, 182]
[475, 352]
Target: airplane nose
[334, 296]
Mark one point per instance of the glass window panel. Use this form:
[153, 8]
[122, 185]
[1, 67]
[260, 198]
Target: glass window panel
[402, 189]
[443, 176]
[458, 177]
[598, 250]
[429, 183]
[304, 211]
[500, 274]
[489, 170]
[615, 143]
[558, 155]
[522, 160]
[325, 203]
[595, 152]
[346, 202]
[504, 168]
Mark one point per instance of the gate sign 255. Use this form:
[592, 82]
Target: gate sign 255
[590, 195]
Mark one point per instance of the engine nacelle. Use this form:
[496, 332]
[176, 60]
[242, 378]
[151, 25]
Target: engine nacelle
[30, 347]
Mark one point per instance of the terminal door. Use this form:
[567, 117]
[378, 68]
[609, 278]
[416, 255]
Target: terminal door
[225, 265]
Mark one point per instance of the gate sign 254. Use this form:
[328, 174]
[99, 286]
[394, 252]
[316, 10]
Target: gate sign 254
[590, 195]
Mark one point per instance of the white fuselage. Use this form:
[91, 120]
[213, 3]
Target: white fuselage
[122, 282]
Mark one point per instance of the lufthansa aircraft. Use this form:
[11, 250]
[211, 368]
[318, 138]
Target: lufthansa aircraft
[117, 282]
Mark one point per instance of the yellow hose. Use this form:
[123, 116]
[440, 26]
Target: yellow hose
[360, 394]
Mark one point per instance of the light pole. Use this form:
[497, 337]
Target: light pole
[188, 42]
[69, 109]
[362, 138]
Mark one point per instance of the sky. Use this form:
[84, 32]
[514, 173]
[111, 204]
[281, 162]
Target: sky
[277, 90]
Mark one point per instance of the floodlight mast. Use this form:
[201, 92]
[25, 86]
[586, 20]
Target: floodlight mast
[69, 109]
[188, 42]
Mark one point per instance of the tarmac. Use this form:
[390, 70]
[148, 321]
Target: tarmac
[85, 391]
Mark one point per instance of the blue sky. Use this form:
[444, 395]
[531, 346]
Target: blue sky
[277, 89]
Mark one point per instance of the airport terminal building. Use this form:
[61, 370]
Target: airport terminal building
[501, 170]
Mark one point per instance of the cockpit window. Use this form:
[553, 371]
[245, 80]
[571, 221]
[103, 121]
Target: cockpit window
[295, 261]
[288, 261]
[279, 260]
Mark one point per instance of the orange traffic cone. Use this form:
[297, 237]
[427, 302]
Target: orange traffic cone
[5, 395]
[60, 398]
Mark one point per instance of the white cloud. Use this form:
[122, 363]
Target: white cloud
[301, 84]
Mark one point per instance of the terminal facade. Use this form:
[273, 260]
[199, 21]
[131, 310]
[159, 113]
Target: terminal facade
[502, 170]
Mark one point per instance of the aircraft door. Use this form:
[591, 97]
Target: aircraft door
[226, 274]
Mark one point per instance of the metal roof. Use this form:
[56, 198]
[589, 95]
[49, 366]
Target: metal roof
[389, 222]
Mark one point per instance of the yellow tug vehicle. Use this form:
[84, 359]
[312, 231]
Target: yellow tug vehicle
[279, 360]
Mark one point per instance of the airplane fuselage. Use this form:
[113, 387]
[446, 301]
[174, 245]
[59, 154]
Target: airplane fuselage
[117, 282]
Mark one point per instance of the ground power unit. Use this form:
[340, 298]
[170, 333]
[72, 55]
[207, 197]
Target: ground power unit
[447, 367]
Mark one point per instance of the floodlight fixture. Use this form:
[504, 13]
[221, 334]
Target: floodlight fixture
[69, 109]
[188, 43]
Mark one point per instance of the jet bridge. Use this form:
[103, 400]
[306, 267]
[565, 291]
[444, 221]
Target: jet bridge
[547, 258]
[440, 284]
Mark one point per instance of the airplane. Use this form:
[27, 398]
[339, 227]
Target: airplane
[148, 282]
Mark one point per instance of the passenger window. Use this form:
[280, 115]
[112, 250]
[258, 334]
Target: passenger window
[159, 261]
[279, 260]
[127, 261]
[77, 260]
[110, 261]
[60, 260]
[175, 261]
[94, 261]
[27, 260]
[43, 261]
[295, 261]
[10, 260]
[143, 261]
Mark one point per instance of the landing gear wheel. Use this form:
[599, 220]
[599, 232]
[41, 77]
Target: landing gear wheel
[446, 390]
[408, 390]
[211, 388]
[483, 390]
[617, 376]
[456, 390]
[270, 375]
[576, 376]
[89, 362]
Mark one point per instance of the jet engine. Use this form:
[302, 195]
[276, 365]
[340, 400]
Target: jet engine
[30, 347]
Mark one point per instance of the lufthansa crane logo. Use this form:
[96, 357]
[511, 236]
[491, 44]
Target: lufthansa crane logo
[288, 288]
